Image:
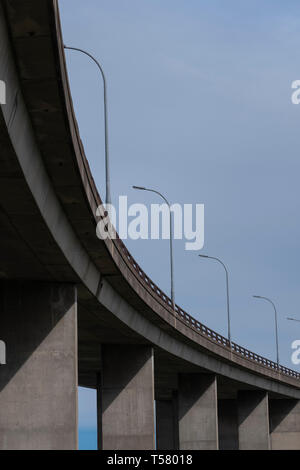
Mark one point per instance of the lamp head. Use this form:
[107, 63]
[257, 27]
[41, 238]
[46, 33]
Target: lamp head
[141, 188]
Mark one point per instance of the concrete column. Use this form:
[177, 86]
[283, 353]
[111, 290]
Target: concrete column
[38, 384]
[127, 398]
[99, 414]
[167, 424]
[197, 412]
[285, 424]
[253, 420]
[228, 425]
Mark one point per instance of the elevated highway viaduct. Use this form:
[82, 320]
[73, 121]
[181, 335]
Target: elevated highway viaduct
[78, 310]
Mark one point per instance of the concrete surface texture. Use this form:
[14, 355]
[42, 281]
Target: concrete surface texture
[38, 385]
[228, 424]
[285, 424]
[197, 412]
[167, 437]
[253, 420]
[127, 397]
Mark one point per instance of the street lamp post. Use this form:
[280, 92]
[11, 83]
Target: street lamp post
[142, 188]
[276, 322]
[107, 169]
[227, 292]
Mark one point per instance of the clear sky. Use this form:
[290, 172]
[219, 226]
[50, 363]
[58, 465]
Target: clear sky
[200, 108]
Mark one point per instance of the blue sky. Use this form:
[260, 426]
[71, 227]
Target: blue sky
[200, 108]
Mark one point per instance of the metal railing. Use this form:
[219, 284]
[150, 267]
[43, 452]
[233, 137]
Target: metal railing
[195, 324]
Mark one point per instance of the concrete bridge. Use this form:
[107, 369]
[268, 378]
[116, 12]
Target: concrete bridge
[78, 310]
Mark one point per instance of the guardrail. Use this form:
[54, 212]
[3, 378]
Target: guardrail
[195, 324]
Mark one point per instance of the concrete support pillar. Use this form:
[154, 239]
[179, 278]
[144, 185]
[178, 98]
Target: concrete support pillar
[127, 398]
[167, 424]
[228, 425]
[99, 413]
[197, 412]
[285, 424]
[253, 420]
[38, 384]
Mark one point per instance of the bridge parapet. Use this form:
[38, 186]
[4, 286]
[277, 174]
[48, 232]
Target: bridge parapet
[181, 315]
